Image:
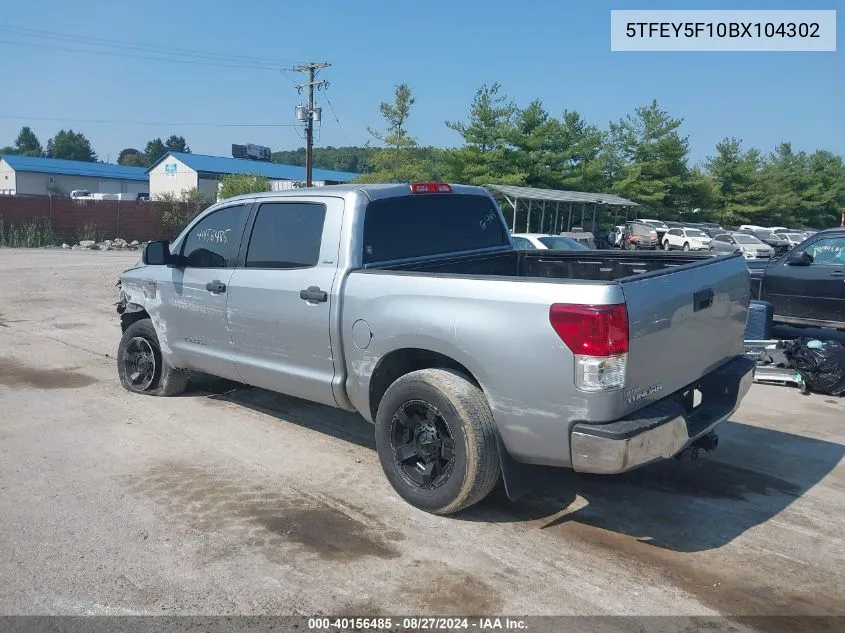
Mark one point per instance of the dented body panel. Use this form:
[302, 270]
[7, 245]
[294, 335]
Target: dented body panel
[332, 330]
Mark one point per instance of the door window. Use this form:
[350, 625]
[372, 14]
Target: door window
[286, 235]
[522, 244]
[828, 252]
[213, 242]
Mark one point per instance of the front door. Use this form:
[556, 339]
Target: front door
[282, 297]
[815, 292]
[194, 295]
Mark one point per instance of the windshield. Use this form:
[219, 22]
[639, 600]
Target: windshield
[794, 237]
[430, 224]
[766, 235]
[559, 242]
[695, 233]
[642, 229]
[746, 239]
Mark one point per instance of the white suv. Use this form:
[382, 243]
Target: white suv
[686, 239]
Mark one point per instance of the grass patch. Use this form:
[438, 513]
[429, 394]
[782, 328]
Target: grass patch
[31, 234]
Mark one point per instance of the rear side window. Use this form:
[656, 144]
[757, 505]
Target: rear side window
[286, 235]
[213, 241]
[521, 243]
[418, 225]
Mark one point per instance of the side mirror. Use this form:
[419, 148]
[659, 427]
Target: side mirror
[156, 253]
[800, 258]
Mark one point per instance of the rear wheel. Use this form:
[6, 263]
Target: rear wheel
[665, 245]
[686, 246]
[140, 364]
[436, 441]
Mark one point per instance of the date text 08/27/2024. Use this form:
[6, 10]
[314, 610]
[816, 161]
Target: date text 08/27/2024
[416, 623]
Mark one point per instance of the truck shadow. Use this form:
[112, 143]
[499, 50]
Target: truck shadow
[684, 506]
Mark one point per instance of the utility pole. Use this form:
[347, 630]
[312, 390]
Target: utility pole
[309, 113]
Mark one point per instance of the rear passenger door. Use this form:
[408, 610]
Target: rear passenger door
[282, 296]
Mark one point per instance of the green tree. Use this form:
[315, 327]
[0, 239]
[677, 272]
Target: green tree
[239, 184]
[647, 159]
[27, 144]
[401, 160]
[486, 156]
[71, 145]
[179, 209]
[177, 144]
[154, 150]
[132, 158]
[8, 149]
[738, 178]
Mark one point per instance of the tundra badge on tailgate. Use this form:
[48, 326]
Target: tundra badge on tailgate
[638, 393]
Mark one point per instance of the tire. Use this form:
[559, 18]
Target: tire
[666, 245]
[686, 246]
[446, 402]
[139, 350]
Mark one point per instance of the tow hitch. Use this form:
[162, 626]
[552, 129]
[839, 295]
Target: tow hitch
[706, 443]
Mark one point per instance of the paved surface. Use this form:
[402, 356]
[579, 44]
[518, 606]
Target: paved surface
[247, 502]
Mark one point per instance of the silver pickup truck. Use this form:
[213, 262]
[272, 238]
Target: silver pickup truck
[408, 304]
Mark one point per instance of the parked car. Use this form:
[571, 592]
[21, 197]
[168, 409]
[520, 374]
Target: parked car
[793, 238]
[581, 236]
[686, 239]
[465, 353]
[659, 226]
[639, 235]
[614, 236]
[752, 248]
[724, 244]
[806, 286]
[545, 241]
[779, 245]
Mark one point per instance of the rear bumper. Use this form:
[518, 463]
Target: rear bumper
[665, 428]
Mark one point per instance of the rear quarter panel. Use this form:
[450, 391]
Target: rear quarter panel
[498, 329]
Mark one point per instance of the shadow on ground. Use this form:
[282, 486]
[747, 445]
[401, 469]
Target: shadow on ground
[683, 506]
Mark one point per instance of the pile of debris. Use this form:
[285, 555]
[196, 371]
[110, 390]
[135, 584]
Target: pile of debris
[116, 244]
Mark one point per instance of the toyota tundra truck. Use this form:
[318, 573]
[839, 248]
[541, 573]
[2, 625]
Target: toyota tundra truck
[473, 360]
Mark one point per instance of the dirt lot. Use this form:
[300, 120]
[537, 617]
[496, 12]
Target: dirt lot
[223, 502]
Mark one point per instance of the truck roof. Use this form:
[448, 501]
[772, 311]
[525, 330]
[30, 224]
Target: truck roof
[373, 192]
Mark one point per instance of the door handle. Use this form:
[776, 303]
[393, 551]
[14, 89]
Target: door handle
[313, 293]
[215, 286]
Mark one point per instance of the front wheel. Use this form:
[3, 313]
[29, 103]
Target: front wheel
[436, 441]
[140, 365]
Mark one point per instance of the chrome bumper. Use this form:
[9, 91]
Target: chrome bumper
[663, 429]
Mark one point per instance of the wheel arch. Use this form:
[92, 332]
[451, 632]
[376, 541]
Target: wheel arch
[399, 362]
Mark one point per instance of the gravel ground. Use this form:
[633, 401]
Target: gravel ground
[232, 500]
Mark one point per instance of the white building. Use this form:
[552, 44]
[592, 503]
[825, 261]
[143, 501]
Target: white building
[35, 176]
[176, 172]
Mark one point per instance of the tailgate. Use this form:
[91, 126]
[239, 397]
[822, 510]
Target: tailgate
[683, 323]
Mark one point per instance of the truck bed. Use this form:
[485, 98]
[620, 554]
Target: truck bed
[588, 265]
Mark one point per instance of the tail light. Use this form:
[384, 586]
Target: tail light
[598, 337]
[430, 187]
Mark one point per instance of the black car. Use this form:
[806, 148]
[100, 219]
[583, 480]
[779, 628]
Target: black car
[805, 286]
[780, 245]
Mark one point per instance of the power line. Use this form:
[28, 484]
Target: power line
[146, 57]
[161, 123]
[331, 107]
[149, 48]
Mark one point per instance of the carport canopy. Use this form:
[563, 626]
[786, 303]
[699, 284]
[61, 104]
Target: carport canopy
[533, 197]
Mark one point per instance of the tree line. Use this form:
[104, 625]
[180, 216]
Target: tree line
[644, 157]
[70, 145]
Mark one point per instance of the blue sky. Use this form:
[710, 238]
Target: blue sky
[558, 52]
